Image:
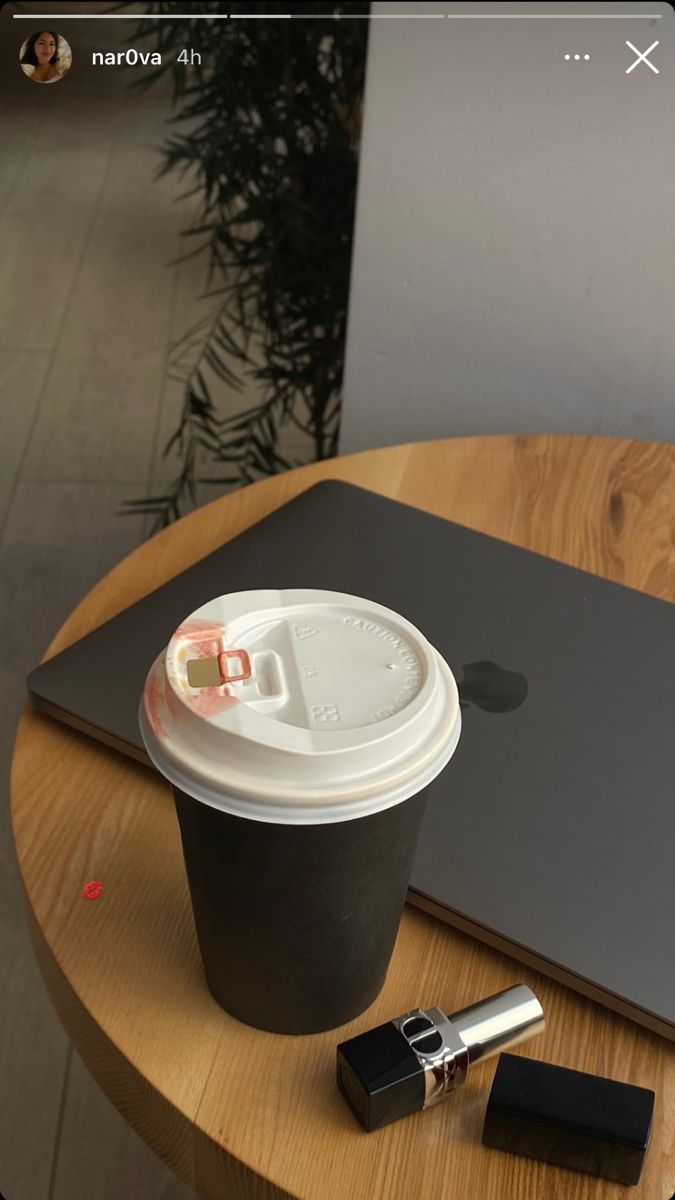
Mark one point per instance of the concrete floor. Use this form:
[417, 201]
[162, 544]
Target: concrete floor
[88, 309]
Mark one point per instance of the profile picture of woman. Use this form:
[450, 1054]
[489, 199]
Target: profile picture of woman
[45, 57]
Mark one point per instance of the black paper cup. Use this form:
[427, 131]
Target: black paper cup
[300, 731]
[297, 923]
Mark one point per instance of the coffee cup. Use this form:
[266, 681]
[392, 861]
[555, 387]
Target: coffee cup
[300, 731]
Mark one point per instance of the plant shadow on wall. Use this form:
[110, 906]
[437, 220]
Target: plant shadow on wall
[267, 119]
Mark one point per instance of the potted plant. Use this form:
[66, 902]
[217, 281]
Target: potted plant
[266, 128]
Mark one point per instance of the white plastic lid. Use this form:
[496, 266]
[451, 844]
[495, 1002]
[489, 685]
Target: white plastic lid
[299, 707]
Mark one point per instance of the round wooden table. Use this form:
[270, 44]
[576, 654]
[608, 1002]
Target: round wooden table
[242, 1114]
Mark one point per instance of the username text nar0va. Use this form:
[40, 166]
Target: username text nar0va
[132, 58]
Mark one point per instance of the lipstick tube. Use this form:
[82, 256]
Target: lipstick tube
[416, 1060]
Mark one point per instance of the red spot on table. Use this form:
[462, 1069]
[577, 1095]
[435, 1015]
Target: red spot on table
[92, 890]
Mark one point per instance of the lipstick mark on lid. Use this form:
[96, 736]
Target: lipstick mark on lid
[201, 635]
[210, 701]
[154, 693]
[92, 890]
[205, 640]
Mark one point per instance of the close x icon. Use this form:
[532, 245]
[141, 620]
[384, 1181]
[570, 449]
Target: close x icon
[642, 57]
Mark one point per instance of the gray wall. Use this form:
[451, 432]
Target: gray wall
[514, 256]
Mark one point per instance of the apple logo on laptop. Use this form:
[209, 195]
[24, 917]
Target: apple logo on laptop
[491, 687]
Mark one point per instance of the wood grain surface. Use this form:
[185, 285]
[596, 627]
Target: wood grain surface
[241, 1114]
